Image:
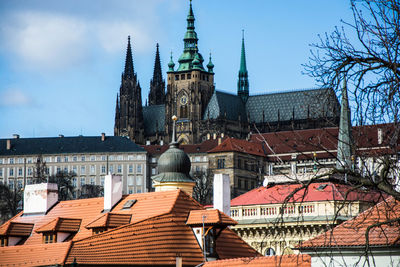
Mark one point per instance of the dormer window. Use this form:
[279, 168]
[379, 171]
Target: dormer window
[59, 230]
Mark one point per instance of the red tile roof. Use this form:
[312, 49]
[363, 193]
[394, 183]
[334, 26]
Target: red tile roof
[239, 145]
[34, 255]
[276, 194]
[111, 220]
[16, 229]
[67, 225]
[353, 232]
[211, 217]
[301, 260]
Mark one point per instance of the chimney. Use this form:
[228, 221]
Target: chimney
[222, 193]
[39, 198]
[16, 136]
[8, 144]
[112, 191]
[103, 137]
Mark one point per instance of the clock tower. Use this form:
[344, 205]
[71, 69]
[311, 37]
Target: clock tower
[189, 88]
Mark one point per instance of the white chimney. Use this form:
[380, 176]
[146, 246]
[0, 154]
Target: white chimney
[39, 198]
[112, 191]
[222, 193]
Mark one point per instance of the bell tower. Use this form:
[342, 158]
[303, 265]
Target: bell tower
[189, 88]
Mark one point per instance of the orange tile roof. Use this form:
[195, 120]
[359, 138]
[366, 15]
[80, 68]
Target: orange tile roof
[239, 145]
[302, 260]
[67, 225]
[211, 217]
[16, 229]
[34, 255]
[353, 232]
[111, 220]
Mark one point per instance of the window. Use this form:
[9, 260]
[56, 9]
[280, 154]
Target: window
[49, 238]
[83, 181]
[11, 173]
[83, 169]
[3, 241]
[130, 168]
[139, 180]
[139, 168]
[103, 168]
[221, 163]
[119, 168]
[19, 171]
[92, 169]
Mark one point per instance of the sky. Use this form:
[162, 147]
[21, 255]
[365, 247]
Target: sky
[61, 61]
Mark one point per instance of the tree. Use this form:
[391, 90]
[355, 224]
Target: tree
[10, 202]
[64, 183]
[202, 191]
[40, 172]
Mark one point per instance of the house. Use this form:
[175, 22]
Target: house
[370, 239]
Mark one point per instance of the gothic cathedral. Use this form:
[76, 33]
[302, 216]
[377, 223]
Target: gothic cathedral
[205, 112]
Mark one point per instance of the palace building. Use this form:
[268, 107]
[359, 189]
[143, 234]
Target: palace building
[202, 110]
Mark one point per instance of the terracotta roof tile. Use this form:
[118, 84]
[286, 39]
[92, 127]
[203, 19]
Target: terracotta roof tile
[16, 229]
[316, 192]
[239, 145]
[67, 225]
[34, 255]
[211, 217]
[111, 220]
[301, 260]
[353, 232]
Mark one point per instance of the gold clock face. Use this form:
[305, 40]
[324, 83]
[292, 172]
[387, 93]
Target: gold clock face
[183, 100]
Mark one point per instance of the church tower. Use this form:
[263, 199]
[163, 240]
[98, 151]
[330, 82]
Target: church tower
[243, 80]
[128, 110]
[157, 84]
[189, 88]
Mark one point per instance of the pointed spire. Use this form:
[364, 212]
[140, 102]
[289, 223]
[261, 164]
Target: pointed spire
[345, 138]
[210, 66]
[128, 71]
[171, 64]
[243, 81]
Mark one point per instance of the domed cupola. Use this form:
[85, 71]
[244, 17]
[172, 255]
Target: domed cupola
[174, 168]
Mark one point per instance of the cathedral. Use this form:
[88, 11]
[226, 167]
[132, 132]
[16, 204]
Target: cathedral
[204, 112]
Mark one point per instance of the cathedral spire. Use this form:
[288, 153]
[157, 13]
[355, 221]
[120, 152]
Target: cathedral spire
[243, 81]
[157, 84]
[128, 71]
[190, 45]
[345, 137]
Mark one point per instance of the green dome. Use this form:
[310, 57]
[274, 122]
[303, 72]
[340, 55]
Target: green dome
[173, 166]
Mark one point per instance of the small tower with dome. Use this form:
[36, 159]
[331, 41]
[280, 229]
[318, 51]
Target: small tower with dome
[174, 168]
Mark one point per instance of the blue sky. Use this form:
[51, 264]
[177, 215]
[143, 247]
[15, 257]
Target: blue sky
[61, 61]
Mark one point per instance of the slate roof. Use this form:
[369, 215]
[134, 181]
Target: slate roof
[352, 233]
[60, 145]
[302, 260]
[327, 191]
[153, 119]
[306, 104]
[222, 102]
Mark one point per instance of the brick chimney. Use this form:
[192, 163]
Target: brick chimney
[222, 193]
[112, 191]
[39, 198]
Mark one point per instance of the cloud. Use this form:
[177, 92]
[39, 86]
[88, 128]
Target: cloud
[14, 98]
[44, 40]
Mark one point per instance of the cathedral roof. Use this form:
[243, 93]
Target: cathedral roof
[300, 104]
[153, 119]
